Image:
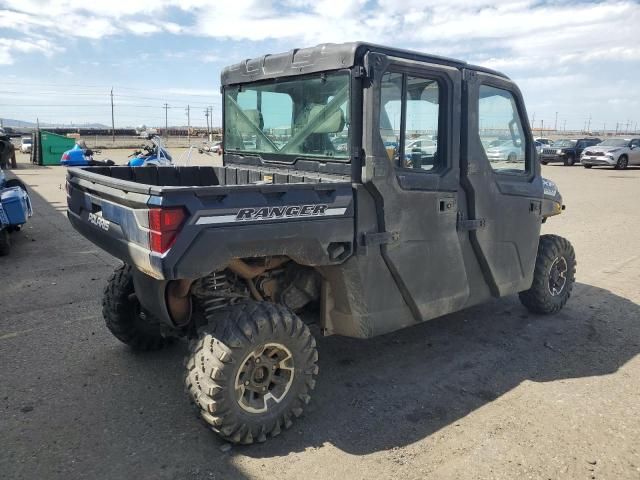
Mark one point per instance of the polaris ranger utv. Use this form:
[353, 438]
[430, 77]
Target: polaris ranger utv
[319, 205]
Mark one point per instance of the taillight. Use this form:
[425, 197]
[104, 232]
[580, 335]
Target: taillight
[164, 224]
[65, 156]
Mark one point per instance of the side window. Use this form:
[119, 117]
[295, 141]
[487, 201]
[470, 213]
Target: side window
[410, 109]
[500, 130]
[391, 112]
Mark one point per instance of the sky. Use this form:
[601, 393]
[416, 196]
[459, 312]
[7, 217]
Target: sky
[59, 59]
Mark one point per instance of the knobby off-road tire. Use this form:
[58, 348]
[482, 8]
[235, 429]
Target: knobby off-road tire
[251, 370]
[122, 314]
[15, 182]
[5, 242]
[553, 277]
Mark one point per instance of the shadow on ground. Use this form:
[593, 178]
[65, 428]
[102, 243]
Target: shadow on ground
[394, 390]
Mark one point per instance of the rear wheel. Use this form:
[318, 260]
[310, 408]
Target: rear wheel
[124, 316]
[587, 166]
[544, 163]
[569, 160]
[553, 277]
[5, 242]
[622, 163]
[251, 371]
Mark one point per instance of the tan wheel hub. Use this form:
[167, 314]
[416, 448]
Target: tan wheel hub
[264, 377]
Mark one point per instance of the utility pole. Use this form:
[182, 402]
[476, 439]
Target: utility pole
[533, 121]
[206, 114]
[564, 126]
[627, 130]
[555, 125]
[616, 128]
[113, 123]
[166, 121]
[211, 116]
[189, 124]
[541, 127]
[589, 124]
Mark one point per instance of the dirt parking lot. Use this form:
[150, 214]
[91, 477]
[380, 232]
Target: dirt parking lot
[490, 392]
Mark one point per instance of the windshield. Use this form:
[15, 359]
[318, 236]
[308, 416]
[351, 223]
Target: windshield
[26, 140]
[564, 143]
[285, 119]
[615, 142]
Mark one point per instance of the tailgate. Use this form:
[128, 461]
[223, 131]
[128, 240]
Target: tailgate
[114, 219]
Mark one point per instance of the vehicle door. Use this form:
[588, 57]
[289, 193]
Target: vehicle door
[504, 197]
[580, 146]
[416, 197]
[634, 152]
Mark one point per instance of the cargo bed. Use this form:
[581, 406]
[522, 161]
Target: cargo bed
[225, 213]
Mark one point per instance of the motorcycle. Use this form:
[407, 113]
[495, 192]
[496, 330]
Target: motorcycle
[15, 209]
[154, 154]
[82, 156]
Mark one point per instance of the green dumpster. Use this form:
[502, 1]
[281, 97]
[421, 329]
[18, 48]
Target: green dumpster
[53, 146]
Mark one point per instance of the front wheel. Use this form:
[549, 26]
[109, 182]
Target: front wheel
[251, 371]
[553, 277]
[569, 161]
[622, 163]
[587, 166]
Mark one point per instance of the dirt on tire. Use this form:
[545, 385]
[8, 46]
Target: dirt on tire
[122, 315]
[218, 354]
[539, 299]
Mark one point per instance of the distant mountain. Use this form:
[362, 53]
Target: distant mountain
[9, 122]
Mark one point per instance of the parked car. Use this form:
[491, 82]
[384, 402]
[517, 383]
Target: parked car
[149, 133]
[506, 151]
[539, 146]
[420, 152]
[544, 141]
[566, 151]
[25, 144]
[613, 152]
[211, 147]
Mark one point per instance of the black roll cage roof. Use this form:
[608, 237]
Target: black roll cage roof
[326, 57]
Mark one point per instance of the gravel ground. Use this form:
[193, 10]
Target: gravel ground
[490, 392]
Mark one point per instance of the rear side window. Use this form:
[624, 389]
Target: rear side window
[500, 130]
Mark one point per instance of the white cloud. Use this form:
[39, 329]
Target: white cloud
[10, 46]
[530, 40]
